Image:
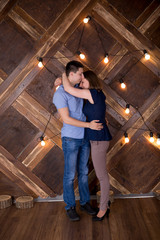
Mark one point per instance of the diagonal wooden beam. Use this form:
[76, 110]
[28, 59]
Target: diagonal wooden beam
[24, 175]
[126, 29]
[152, 18]
[3, 3]
[148, 13]
[134, 123]
[112, 63]
[37, 154]
[132, 126]
[24, 25]
[112, 180]
[116, 63]
[5, 7]
[117, 185]
[16, 180]
[116, 102]
[157, 187]
[23, 75]
[127, 35]
[39, 117]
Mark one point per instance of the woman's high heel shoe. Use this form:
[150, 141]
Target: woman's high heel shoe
[95, 218]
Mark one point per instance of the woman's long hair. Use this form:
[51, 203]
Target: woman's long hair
[94, 81]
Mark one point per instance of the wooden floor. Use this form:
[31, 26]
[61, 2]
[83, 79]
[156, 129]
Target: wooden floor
[130, 219]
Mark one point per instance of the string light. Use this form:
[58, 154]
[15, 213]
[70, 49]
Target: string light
[127, 108]
[42, 141]
[81, 55]
[146, 55]
[106, 59]
[151, 137]
[87, 19]
[40, 64]
[158, 139]
[123, 85]
[126, 137]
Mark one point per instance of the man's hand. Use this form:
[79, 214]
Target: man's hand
[95, 125]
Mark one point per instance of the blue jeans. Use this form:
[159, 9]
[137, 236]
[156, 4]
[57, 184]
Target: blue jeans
[76, 154]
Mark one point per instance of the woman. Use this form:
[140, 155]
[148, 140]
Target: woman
[95, 108]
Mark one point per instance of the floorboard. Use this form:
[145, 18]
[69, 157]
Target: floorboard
[130, 219]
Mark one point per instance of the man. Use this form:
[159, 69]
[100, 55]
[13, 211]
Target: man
[76, 149]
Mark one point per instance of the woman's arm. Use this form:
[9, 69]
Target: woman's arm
[64, 113]
[80, 93]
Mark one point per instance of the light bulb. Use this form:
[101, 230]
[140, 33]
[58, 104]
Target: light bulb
[106, 59]
[42, 141]
[123, 85]
[127, 109]
[82, 56]
[146, 55]
[40, 64]
[86, 19]
[158, 139]
[126, 137]
[151, 137]
[126, 140]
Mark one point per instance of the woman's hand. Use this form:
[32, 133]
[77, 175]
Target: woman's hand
[58, 82]
[64, 78]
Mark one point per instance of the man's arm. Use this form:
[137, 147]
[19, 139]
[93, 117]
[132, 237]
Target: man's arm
[64, 113]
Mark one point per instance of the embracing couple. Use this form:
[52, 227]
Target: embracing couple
[80, 102]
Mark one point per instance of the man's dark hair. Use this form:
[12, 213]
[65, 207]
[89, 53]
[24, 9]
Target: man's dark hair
[73, 66]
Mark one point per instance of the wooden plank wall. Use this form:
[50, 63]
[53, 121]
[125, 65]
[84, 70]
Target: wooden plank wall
[31, 29]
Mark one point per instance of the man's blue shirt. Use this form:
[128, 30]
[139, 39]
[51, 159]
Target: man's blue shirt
[62, 99]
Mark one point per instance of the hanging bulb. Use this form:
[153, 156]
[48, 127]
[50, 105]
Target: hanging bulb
[146, 55]
[40, 64]
[158, 139]
[106, 59]
[87, 19]
[127, 108]
[151, 137]
[81, 55]
[123, 85]
[42, 141]
[126, 137]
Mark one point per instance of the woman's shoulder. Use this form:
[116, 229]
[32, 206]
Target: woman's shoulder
[97, 92]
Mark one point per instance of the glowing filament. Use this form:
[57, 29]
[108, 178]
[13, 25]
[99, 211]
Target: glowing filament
[146, 55]
[127, 109]
[42, 141]
[126, 137]
[40, 64]
[151, 137]
[106, 59]
[87, 19]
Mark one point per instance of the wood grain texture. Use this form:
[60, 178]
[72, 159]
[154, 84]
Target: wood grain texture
[129, 219]
[22, 78]
[20, 171]
[31, 29]
[145, 17]
[39, 117]
[122, 30]
[24, 25]
[37, 154]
